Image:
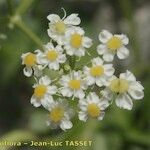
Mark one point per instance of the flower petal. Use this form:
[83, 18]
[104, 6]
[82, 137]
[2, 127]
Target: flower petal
[52, 89]
[45, 80]
[87, 42]
[27, 71]
[102, 114]
[97, 61]
[101, 49]
[109, 70]
[66, 124]
[108, 56]
[83, 116]
[136, 90]
[123, 52]
[72, 19]
[124, 101]
[66, 92]
[53, 18]
[79, 94]
[104, 36]
[127, 76]
[35, 102]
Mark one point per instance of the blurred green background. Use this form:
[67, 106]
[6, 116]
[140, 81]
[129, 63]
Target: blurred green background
[23, 27]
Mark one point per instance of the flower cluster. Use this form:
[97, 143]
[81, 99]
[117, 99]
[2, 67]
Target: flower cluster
[87, 90]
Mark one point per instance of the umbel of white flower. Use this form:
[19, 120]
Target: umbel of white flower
[69, 43]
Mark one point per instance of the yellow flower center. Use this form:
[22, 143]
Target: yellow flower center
[57, 114]
[75, 84]
[119, 85]
[114, 43]
[30, 59]
[93, 110]
[40, 90]
[97, 71]
[76, 40]
[60, 27]
[52, 55]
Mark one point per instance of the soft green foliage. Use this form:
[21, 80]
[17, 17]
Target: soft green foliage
[23, 23]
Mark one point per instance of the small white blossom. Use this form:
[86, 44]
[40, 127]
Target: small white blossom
[73, 85]
[31, 66]
[52, 56]
[43, 92]
[59, 115]
[126, 88]
[112, 44]
[58, 26]
[98, 73]
[76, 43]
[92, 106]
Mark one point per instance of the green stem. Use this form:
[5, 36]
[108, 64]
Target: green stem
[72, 61]
[23, 7]
[22, 26]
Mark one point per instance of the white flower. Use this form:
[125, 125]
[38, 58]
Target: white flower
[98, 73]
[126, 88]
[76, 42]
[43, 92]
[52, 56]
[112, 44]
[59, 115]
[58, 26]
[92, 106]
[31, 66]
[73, 85]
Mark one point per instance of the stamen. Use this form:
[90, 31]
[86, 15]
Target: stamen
[57, 114]
[93, 110]
[75, 84]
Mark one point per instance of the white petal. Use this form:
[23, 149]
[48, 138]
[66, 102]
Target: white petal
[127, 76]
[52, 89]
[104, 36]
[35, 102]
[93, 98]
[83, 116]
[47, 102]
[79, 94]
[27, 71]
[66, 124]
[123, 52]
[109, 70]
[49, 46]
[102, 114]
[62, 58]
[106, 94]
[124, 38]
[87, 42]
[66, 92]
[53, 18]
[97, 61]
[70, 51]
[80, 52]
[103, 104]
[37, 70]
[99, 82]
[72, 19]
[136, 90]
[124, 101]
[45, 80]
[101, 49]
[108, 56]
[54, 65]
[90, 80]
[64, 80]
